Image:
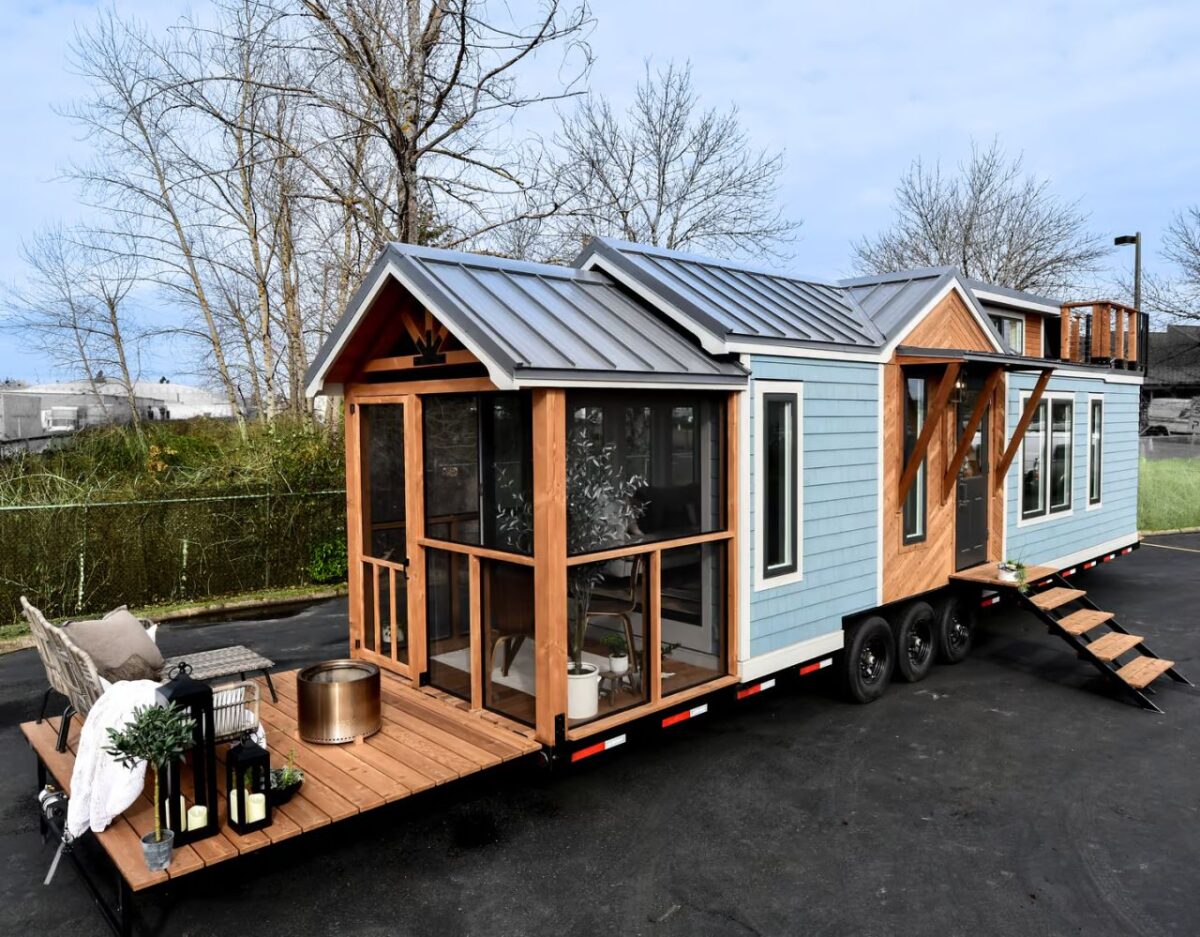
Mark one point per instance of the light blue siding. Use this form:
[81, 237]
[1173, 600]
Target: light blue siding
[1061, 536]
[839, 522]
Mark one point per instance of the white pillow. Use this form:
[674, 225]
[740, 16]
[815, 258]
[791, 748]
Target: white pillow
[229, 713]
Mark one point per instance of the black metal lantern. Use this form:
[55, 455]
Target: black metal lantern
[248, 784]
[188, 799]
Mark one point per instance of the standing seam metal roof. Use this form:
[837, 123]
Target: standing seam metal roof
[734, 300]
[538, 321]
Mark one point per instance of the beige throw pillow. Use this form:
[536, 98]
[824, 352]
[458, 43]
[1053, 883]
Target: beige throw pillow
[118, 645]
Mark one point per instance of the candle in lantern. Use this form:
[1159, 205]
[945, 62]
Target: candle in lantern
[256, 807]
[197, 817]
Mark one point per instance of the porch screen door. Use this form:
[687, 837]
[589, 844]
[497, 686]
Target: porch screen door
[385, 533]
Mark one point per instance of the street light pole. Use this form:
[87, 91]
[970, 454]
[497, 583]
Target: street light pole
[1144, 323]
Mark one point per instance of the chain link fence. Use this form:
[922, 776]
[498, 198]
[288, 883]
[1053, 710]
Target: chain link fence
[75, 559]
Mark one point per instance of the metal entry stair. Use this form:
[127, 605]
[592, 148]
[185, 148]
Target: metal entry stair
[1098, 638]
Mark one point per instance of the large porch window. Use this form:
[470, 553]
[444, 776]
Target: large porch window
[1047, 459]
[647, 543]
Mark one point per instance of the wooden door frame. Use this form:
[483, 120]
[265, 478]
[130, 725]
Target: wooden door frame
[357, 521]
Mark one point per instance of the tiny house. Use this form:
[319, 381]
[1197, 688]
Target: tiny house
[585, 496]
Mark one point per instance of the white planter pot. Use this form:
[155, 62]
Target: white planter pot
[1008, 575]
[583, 693]
[619, 665]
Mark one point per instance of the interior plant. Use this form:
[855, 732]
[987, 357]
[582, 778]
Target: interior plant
[159, 736]
[286, 781]
[602, 508]
[618, 652]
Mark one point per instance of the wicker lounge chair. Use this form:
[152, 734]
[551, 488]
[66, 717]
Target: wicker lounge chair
[72, 673]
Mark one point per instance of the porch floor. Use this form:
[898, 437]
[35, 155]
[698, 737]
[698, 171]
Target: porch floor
[986, 574]
[426, 740]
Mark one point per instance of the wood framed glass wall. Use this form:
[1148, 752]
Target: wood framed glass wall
[480, 597]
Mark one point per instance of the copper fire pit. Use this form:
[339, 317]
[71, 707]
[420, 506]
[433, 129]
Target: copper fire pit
[338, 701]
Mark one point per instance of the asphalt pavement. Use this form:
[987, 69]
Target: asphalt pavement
[1012, 794]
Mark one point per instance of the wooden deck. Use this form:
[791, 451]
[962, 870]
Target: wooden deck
[987, 575]
[427, 739]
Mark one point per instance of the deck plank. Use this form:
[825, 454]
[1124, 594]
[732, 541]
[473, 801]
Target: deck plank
[425, 741]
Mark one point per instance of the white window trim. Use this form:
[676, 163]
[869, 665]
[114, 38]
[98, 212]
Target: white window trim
[1049, 515]
[761, 389]
[1087, 493]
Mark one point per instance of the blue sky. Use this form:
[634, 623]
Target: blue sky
[1102, 98]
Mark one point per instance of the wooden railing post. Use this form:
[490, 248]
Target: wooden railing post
[1064, 334]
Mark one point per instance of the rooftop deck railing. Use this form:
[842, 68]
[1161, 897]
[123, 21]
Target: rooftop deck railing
[1102, 332]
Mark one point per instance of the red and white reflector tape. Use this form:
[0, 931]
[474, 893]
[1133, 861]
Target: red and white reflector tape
[1126, 551]
[755, 688]
[1111, 556]
[991, 600]
[582, 753]
[1089, 564]
[1069, 572]
[685, 715]
[814, 667]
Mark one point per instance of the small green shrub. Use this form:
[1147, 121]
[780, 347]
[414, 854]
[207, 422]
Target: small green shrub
[329, 562]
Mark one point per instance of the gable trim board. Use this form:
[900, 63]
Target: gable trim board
[1002, 299]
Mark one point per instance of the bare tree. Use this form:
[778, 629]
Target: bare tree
[667, 172]
[991, 220]
[75, 307]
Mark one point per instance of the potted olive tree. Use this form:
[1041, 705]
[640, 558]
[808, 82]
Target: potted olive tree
[159, 736]
[601, 510]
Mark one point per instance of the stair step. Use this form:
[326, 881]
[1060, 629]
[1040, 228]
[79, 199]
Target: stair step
[1142, 672]
[1053, 598]
[1112, 645]
[1083, 621]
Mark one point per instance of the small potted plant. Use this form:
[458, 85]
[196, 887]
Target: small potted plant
[285, 781]
[618, 653]
[159, 736]
[1012, 571]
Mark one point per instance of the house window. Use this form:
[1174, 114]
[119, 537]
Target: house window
[1061, 425]
[915, 403]
[1012, 330]
[643, 467]
[779, 440]
[1046, 457]
[491, 508]
[1095, 450]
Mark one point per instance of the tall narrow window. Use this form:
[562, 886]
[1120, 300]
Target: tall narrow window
[1033, 465]
[914, 421]
[1061, 426]
[1047, 455]
[780, 432]
[1095, 450]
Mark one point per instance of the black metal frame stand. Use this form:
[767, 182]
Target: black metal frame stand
[118, 912]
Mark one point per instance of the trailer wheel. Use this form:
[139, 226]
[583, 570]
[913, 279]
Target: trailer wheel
[955, 628]
[916, 642]
[870, 656]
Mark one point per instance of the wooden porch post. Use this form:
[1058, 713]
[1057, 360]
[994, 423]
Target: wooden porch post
[354, 521]
[550, 557]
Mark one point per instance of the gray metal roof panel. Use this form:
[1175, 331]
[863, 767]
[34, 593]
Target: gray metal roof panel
[729, 299]
[539, 319]
[1021, 295]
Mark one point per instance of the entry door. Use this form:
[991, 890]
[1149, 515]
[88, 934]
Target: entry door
[385, 546]
[971, 528]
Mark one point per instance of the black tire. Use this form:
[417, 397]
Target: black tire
[916, 642]
[955, 628]
[869, 658]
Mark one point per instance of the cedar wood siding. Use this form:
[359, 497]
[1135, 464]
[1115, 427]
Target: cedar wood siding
[839, 519]
[1082, 528]
[918, 567]
[1033, 335]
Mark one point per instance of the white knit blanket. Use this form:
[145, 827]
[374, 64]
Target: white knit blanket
[101, 787]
